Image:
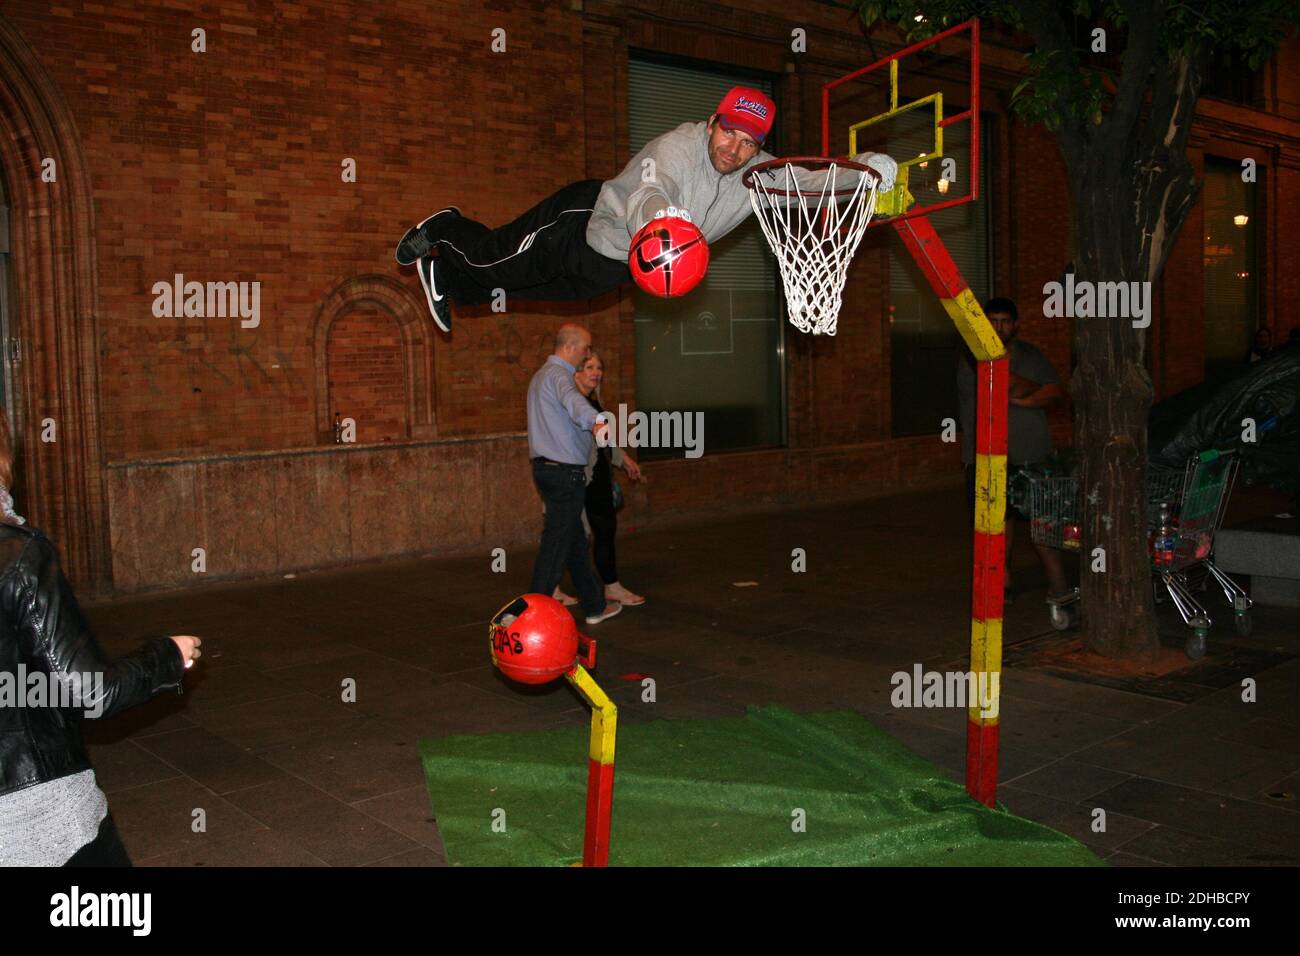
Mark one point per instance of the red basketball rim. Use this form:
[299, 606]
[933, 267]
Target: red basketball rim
[808, 162]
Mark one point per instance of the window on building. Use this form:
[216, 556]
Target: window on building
[717, 350]
[1233, 310]
[1228, 76]
[924, 345]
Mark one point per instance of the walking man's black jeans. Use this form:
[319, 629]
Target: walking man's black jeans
[603, 519]
[564, 542]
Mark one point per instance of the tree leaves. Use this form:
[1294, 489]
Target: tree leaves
[1065, 83]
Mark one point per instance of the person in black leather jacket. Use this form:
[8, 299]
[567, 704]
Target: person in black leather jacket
[52, 812]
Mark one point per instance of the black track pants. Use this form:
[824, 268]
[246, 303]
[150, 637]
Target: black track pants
[542, 255]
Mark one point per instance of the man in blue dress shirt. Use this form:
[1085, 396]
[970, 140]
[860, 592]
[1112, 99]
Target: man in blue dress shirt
[562, 426]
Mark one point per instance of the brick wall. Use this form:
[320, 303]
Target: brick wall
[367, 380]
[227, 166]
[1037, 243]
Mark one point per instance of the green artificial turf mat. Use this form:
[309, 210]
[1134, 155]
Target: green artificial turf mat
[725, 793]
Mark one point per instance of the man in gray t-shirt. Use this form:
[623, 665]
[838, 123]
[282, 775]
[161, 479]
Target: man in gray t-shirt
[1034, 385]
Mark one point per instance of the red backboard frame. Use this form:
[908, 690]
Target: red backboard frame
[971, 114]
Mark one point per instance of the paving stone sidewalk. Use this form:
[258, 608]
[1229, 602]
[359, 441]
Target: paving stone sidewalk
[287, 773]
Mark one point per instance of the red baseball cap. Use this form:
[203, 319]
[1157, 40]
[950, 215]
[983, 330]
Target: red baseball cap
[748, 110]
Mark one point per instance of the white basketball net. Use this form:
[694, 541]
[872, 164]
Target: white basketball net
[814, 237]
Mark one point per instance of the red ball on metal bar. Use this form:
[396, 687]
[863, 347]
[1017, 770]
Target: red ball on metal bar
[534, 639]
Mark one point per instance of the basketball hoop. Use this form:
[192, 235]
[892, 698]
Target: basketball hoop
[813, 229]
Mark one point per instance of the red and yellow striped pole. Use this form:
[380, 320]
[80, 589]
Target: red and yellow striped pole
[990, 499]
[600, 767]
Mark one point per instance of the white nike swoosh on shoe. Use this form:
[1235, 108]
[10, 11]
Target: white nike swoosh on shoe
[432, 297]
[426, 279]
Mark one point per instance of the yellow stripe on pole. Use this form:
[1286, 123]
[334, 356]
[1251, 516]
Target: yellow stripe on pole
[974, 326]
[604, 715]
[990, 493]
[986, 665]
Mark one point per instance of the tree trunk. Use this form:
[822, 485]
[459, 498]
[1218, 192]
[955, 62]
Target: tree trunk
[1132, 202]
[1112, 395]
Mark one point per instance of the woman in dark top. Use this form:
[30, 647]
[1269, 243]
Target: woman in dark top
[52, 811]
[601, 512]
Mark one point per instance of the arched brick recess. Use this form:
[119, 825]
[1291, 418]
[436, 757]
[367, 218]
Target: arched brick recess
[53, 244]
[417, 331]
[367, 374]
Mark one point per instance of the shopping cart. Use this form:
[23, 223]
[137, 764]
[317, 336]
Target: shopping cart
[1184, 510]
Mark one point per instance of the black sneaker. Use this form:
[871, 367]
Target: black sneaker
[435, 294]
[417, 242]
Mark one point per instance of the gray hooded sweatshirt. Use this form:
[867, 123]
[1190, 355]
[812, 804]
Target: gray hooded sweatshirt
[674, 170]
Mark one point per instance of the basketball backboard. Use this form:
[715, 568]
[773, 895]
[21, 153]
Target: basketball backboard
[921, 106]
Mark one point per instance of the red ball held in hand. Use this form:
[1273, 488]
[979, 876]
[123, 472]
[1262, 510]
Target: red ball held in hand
[668, 256]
